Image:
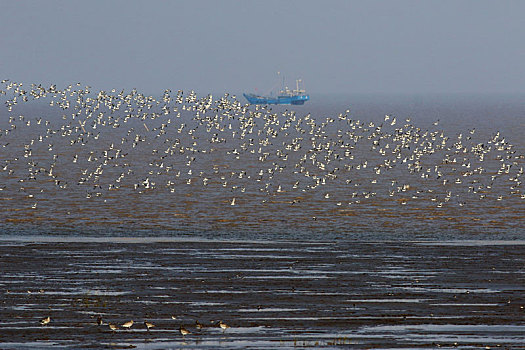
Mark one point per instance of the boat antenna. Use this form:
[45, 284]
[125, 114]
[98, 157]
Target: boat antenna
[270, 92]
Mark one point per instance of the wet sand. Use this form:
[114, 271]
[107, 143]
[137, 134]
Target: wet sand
[272, 294]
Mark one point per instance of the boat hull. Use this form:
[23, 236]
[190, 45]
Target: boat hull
[279, 100]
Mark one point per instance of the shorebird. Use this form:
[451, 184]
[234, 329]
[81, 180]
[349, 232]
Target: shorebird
[45, 321]
[148, 325]
[112, 327]
[223, 325]
[128, 324]
[184, 331]
[99, 320]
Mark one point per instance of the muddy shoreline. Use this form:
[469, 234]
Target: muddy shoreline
[270, 293]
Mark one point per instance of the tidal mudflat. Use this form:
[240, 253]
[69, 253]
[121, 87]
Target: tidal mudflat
[270, 294]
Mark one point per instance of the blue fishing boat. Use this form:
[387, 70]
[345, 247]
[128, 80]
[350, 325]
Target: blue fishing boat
[284, 97]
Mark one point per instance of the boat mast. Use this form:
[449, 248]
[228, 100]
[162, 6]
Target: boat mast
[298, 89]
[282, 82]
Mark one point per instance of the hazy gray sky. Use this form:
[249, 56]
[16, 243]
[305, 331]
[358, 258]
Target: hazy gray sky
[392, 46]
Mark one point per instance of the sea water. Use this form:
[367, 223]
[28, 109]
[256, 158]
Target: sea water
[296, 225]
[318, 171]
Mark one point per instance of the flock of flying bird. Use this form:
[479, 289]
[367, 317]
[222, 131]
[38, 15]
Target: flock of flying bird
[76, 144]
